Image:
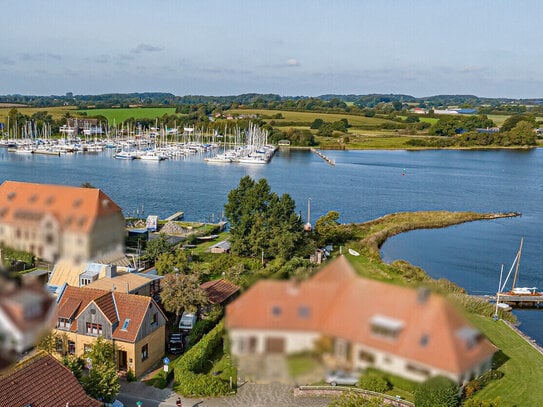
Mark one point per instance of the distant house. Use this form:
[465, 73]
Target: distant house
[26, 311]
[42, 381]
[410, 333]
[59, 222]
[221, 247]
[134, 323]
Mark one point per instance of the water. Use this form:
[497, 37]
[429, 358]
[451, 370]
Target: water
[362, 186]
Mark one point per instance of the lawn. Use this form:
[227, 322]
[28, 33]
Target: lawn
[521, 366]
[120, 115]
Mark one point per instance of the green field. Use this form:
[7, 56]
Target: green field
[120, 115]
[522, 367]
[308, 117]
[56, 112]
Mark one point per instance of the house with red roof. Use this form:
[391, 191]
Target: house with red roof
[60, 222]
[42, 381]
[26, 312]
[134, 323]
[407, 332]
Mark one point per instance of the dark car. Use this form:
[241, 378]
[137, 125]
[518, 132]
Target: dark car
[176, 344]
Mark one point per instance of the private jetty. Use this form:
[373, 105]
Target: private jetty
[321, 155]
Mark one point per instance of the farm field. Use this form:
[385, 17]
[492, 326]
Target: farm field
[57, 112]
[122, 114]
[306, 118]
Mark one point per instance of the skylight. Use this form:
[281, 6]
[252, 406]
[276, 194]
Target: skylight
[125, 325]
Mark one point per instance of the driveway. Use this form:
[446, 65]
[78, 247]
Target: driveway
[249, 394]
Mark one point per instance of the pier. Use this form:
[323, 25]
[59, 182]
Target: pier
[515, 300]
[321, 155]
[176, 216]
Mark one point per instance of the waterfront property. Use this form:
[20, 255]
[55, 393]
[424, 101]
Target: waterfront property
[134, 323]
[55, 222]
[407, 332]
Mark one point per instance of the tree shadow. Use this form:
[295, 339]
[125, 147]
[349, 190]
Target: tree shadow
[499, 359]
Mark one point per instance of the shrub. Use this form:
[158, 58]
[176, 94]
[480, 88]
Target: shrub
[437, 391]
[189, 377]
[130, 376]
[374, 382]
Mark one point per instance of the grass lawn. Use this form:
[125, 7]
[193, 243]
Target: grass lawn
[522, 368]
[299, 364]
[120, 115]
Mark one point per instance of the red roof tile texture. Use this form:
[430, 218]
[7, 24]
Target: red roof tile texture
[219, 291]
[42, 382]
[339, 303]
[75, 208]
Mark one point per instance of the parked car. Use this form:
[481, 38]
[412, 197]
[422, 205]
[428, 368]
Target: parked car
[176, 344]
[341, 377]
[188, 319]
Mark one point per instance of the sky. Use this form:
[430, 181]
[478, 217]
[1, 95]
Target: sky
[488, 48]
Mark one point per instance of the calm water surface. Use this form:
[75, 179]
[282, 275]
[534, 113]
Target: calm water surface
[363, 185]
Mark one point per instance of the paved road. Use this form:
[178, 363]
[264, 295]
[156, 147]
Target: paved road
[249, 394]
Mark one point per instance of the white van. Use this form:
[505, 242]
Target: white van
[188, 319]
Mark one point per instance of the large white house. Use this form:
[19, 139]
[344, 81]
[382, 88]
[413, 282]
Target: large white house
[407, 332]
[59, 222]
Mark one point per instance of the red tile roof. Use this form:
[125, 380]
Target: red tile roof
[116, 306]
[42, 381]
[75, 208]
[219, 290]
[339, 303]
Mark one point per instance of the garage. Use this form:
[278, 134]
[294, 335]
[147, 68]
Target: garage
[275, 345]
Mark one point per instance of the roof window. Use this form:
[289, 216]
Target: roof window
[276, 310]
[303, 312]
[125, 324]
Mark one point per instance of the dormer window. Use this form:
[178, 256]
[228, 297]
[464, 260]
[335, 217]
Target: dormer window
[64, 324]
[386, 327]
[469, 335]
[276, 310]
[32, 310]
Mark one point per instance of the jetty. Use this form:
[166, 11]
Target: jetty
[321, 155]
[176, 216]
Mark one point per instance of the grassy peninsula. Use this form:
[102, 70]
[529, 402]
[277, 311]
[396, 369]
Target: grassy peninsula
[518, 360]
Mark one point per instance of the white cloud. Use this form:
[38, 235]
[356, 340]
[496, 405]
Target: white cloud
[293, 62]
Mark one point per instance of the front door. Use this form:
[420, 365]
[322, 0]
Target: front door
[121, 358]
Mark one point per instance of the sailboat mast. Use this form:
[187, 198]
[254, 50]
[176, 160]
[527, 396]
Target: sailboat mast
[518, 262]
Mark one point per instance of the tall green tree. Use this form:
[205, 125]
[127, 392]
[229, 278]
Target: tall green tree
[170, 262]
[102, 382]
[182, 292]
[263, 222]
[157, 247]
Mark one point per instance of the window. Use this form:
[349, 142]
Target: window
[64, 324]
[366, 356]
[125, 325]
[60, 346]
[424, 339]
[303, 312]
[94, 329]
[276, 310]
[154, 319]
[71, 347]
[85, 281]
[144, 352]
[86, 347]
[417, 369]
[386, 327]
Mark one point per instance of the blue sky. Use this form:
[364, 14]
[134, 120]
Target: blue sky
[489, 48]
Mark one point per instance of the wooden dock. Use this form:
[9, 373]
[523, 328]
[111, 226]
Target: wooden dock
[176, 216]
[516, 301]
